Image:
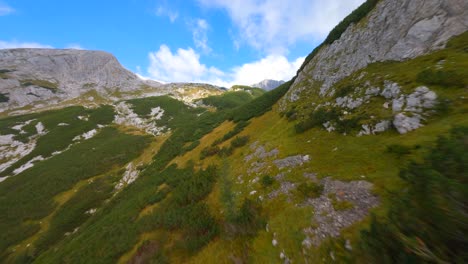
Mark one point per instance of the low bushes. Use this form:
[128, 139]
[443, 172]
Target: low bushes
[441, 78]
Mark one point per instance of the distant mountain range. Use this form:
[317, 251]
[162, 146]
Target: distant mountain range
[33, 79]
[268, 84]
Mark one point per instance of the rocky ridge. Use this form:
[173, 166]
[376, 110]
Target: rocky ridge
[43, 78]
[394, 30]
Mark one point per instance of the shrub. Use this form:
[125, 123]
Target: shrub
[426, 223]
[343, 91]
[192, 146]
[316, 119]
[260, 105]
[267, 181]
[237, 129]
[239, 141]
[225, 151]
[441, 78]
[309, 190]
[248, 220]
[398, 150]
[209, 151]
[4, 98]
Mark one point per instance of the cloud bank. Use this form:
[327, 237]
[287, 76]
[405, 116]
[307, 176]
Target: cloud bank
[183, 65]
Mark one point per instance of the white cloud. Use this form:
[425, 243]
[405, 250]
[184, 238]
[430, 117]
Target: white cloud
[184, 66]
[200, 34]
[74, 46]
[16, 44]
[181, 66]
[274, 67]
[273, 25]
[164, 11]
[5, 9]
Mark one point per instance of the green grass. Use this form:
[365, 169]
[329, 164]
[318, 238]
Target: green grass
[53, 87]
[448, 82]
[228, 100]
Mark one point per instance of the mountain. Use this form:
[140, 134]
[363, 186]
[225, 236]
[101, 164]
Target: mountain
[268, 84]
[360, 158]
[394, 31]
[42, 78]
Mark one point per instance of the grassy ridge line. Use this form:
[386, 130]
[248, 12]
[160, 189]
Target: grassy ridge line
[29, 195]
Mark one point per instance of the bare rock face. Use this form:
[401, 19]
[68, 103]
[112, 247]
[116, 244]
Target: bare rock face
[53, 75]
[267, 84]
[395, 30]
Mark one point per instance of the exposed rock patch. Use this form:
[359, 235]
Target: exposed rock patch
[130, 175]
[126, 116]
[328, 222]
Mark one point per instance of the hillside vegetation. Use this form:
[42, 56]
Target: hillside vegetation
[242, 178]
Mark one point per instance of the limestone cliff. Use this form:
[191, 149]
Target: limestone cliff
[53, 75]
[395, 30]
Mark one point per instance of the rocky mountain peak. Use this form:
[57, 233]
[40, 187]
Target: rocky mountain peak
[268, 84]
[394, 30]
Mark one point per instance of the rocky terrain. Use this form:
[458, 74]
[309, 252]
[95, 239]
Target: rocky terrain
[360, 158]
[393, 31]
[43, 78]
[267, 84]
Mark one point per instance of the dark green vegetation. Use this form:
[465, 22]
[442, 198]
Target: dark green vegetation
[237, 96]
[228, 100]
[211, 210]
[260, 105]
[309, 190]
[58, 137]
[28, 197]
[53, 87]
[3, 73]
[203, 124]
[442, 78]
[76, 211]
[226, 151]
[357, 15]
[442, 72]
[427, 222]
[4, 98]
[267, 181]
[176, 113]
[321, 116]
[237, 129]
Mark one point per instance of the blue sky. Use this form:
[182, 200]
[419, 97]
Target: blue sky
[222, 42]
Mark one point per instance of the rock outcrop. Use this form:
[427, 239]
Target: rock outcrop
[268, 84]
[395, 30]
[30, 75]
